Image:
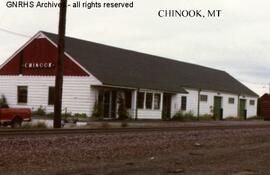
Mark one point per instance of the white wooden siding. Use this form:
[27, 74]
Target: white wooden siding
[78, 95]
[146, 113]
[192, 101]
[251, 109]
[229, 110]
[149, 114]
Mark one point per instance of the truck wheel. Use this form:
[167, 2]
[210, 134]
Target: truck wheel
[16, 123]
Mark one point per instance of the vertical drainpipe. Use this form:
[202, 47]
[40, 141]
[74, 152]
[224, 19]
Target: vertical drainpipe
[198, 107]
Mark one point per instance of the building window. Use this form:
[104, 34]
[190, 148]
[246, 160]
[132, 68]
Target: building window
[149, 100]
[140, 100]
[231, 100]
[252, 102]
[183, 103]
[203, 98]
[51, 95]
[128, 97]
[22, 94]
[157, 98]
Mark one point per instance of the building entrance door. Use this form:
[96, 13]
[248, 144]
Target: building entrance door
[166, 112]
[242, 109]
[109, 104]
[218, 112]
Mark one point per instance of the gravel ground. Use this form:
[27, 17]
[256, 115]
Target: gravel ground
[153, 123]
[158, 123]
[217, 152]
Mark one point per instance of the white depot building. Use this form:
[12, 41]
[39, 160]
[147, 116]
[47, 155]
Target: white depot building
[153, 87]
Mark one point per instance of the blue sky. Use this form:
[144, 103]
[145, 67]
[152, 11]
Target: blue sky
[237, 42]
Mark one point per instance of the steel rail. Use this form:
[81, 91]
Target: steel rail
[34, 132]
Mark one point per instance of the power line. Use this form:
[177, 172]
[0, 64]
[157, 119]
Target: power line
[256, 83]
[14, 33]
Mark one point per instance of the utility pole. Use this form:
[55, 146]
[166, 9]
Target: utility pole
[59, 65]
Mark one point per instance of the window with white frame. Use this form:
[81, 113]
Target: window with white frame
[231, 100]
[148, 100]
[183, 103]
[51, 95]
[157, 99]
[203, 98]
[252, 102]
[22, 92]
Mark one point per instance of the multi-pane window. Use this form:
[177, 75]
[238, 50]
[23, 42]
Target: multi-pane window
[252, 102]
[231, 100]
[51, 95]
[140, 100]
[22, 94]
[203, 98]
[183, 103]
[157, 101]
[149, 100]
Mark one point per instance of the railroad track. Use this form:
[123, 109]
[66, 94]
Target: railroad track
[33, 132]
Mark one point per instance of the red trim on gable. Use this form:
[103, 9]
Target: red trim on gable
[39, 58]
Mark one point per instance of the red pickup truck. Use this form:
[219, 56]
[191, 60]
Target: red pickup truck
[14, 116]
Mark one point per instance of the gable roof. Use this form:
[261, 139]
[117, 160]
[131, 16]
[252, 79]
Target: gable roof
[121, 67]
[265, 97]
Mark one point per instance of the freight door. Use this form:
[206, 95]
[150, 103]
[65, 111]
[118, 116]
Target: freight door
[218, 113]
[166, 112]
[242, 109]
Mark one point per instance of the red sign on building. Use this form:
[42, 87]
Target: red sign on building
[38, 57]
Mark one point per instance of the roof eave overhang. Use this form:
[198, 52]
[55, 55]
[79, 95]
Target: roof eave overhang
[107, 85]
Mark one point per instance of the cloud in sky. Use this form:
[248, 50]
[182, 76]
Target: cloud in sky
[238, 42]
